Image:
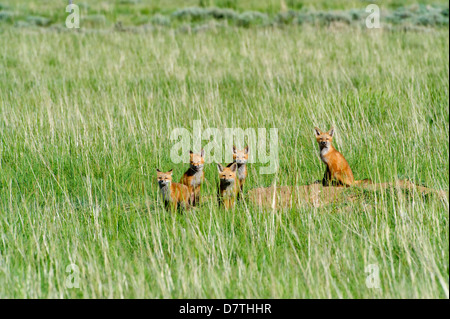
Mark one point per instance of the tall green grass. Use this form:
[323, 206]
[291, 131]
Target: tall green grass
[85, 119]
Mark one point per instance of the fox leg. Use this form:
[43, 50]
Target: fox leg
[184, 205]
[219, 199]
[222, 202]
[229, 203]
[193, 199]
[191, 196]
[225, 202]
[196, 196]
[167, 205]
[327, 177]
[185, 202]
[240, 190]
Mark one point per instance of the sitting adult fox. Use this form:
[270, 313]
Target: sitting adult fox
[338, 171]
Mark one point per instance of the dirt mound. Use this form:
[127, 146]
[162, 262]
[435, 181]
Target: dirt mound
[318, 195]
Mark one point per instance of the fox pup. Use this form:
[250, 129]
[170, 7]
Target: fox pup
[228, 185]
[174, 195]
[241, 159]
[194, 176]
[338, 171]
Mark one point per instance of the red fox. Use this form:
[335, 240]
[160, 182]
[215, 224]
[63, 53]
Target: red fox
[194, 176]
[338, 171]
[174, 195]
[241, 159]
[228, 186]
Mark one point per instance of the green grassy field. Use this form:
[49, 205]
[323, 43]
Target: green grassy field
[85, 119]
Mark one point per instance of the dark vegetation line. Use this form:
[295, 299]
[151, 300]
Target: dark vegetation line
[195, 17]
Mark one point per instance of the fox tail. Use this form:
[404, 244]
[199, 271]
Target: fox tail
[363, 182]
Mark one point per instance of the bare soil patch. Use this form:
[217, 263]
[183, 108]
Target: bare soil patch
[317, 195]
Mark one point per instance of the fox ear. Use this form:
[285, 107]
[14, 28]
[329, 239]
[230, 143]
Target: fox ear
[234, 148]
[331, 131]
[220, 167]
[190, 152]
[158, 170]
[318, 131]
[233, 167]
[246, 150]
[202, 153]
[170, 172]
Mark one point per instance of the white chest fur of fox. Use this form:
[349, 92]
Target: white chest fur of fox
[241, 172]
[165, 192]
[228, 189]
[323, 154]
[197, 178]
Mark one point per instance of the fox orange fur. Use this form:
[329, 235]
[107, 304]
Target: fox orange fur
[194, 176]
[338, 171]
[228, 185]
[174, 195]
[241, 159]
